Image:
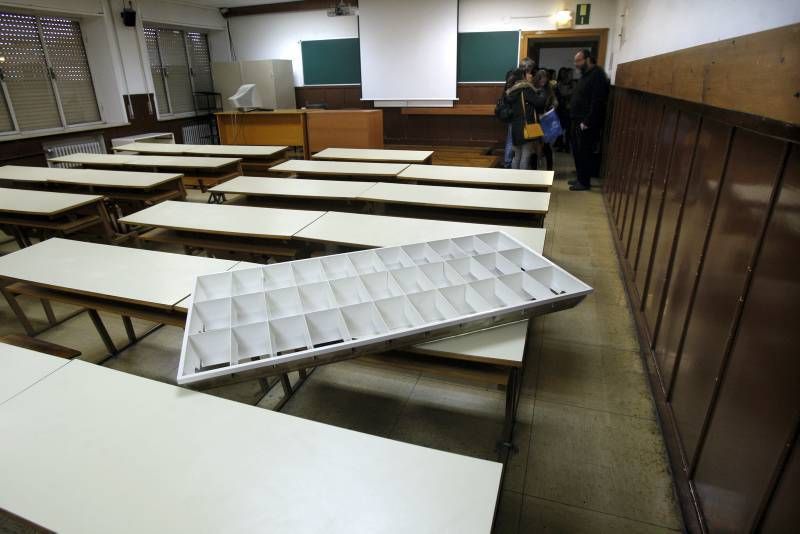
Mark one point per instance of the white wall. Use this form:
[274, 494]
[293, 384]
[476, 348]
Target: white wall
[652, 27]
[555, 58]
[278, 36]
[527, 15]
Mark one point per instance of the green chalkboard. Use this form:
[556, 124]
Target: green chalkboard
[486, 56]
[332, 61]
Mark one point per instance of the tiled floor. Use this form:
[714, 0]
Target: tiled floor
[590, 455]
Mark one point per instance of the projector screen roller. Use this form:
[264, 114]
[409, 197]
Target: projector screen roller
[408, 51]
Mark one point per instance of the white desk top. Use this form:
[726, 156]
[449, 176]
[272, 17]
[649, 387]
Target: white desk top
[135, 455]
[478, 175]
[342, 168]
[19, 173]
[133, 160]
[459, 197]
[98, 177]
[503, 345]
[225, 219]
[249, 151]
[21, 368]
[362, 230]
[374, 154]
[293, 187]
[42, 202]
[121, 273]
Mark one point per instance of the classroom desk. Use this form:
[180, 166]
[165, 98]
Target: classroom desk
[375, 155]
[478, 177]
[123, 281]
[198, 171]
[254, 157]
[362, 230]
[244, 229]
[21, 368]
[355, 169]
[289, 188]
[49, 213]
[490, 203]
[119, 453]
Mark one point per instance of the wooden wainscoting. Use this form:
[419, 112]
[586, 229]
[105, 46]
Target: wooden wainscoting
[476, 128]
[705, 208]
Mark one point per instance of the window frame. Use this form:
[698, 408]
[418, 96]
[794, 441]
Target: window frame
[147, 25]
[64, 127]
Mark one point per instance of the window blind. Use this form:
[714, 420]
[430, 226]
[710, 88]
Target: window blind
[26, 74]
[45, 81]
[176, 67]
[151, 40]
[199, 61]
[181, 65]
[63, 43]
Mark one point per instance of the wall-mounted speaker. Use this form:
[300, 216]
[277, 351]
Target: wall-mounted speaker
[128, 16]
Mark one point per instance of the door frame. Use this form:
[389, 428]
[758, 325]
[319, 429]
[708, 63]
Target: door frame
[601, 34]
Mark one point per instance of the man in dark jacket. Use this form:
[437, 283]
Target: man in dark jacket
[587, 114]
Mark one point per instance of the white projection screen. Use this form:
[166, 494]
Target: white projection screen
[408, 51]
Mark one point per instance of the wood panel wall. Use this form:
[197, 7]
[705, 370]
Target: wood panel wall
[756, 73]
[705, 208]
[30, 152]
[458, 130]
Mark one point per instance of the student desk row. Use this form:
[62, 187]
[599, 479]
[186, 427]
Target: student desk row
[522, 208]
[444, 175]
[127, 190]
[135, 455]
[247, 229]
[155, 286]
[198, 171]
[47, 213]
[255, 158]
[375, 155]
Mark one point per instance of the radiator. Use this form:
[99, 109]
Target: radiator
[75, 145]
[197, 134]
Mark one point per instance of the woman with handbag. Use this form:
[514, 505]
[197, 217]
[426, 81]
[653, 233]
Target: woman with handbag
[525, 131]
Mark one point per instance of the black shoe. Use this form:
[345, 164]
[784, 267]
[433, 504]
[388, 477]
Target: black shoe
[579, 187]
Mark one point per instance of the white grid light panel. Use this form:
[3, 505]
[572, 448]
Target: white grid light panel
[309, 310]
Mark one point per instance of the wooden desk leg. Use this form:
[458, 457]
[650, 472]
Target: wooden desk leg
[286, 384]
[105, 221]
[48, 312]
[19, 312]
[129, 331]
[101, 329]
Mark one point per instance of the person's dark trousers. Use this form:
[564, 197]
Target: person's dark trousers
[547, 152]
[583, 145]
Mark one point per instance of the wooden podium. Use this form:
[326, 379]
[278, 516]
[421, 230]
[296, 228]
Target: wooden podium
[313, 130]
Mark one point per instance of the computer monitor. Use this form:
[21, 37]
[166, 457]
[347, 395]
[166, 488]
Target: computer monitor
[246, 98]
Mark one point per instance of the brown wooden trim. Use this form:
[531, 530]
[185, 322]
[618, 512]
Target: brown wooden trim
[588, 33]
[720, 74]
[458, 109]
[281, 7]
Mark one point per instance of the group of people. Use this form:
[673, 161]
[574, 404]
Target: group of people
[579, 105]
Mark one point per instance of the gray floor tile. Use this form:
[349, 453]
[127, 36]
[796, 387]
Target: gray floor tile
[539, 515]
[596, 377]
[600, 461]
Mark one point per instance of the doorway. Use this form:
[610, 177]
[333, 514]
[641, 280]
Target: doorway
[556, 49]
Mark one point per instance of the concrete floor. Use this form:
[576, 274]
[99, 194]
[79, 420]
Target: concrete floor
[591, 457]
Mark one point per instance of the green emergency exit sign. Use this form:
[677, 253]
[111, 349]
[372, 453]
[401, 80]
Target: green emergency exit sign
[582, 14]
